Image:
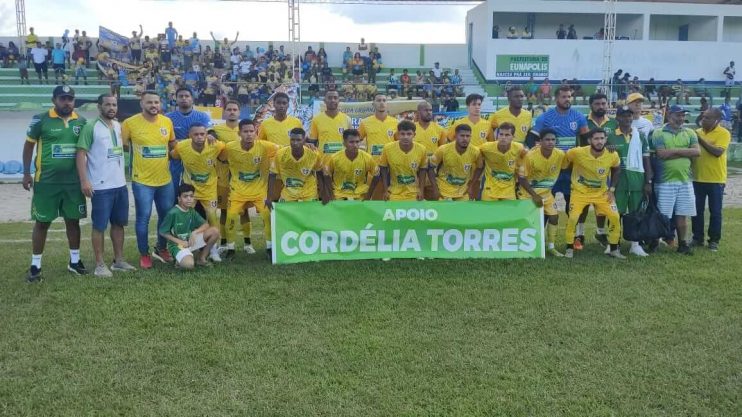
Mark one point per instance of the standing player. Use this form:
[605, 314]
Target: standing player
[326, 130]
[514, 114]
[480, 128]
[636, 169]
[347, 172]
[148, 136]
[56, 185]
[403, 165]
[249, 161]
[592, 167]
[276, 129]
[299, 167]
[377, 130]
[431, 135]
[228, 132]
[502, 159]
[100, 165]
[569, 125]
[183, 117]
[199, 160]
[453, 166]
[537, 175]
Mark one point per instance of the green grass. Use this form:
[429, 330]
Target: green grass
[588, 337]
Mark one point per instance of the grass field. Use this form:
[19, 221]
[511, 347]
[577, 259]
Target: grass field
[588, 337]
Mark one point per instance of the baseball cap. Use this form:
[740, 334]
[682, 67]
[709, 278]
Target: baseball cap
[633, 97]
[676, 108]
[623, 110]
[63, 90]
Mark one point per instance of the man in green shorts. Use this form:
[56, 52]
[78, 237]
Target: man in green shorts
[636, 169]
[56, 185]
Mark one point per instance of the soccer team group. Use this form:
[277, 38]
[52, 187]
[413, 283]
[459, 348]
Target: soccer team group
[203, 178]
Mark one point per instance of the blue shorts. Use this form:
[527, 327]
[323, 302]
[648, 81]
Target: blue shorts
[563, 183]
[110, 205]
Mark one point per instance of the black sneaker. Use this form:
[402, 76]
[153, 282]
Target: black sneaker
[684, 249]
[34, 274]
[602, 239]
[713, 246]
[229, 255]
[269, 254]
[77, 268]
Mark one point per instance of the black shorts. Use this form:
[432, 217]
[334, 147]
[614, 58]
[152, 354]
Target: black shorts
[58, 67]
[41, 67]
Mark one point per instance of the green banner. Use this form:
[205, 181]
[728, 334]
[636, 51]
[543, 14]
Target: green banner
[522, 66]
[345, 230]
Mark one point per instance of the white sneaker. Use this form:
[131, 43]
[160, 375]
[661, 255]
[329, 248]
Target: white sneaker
[616, 254]
[214, 254]
[569, 253]
[249, 249]
[607, 250]
[102, 271]
[637, 250]
[222, 249]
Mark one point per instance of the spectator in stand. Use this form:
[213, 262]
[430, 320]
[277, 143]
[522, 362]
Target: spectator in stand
[13, 53]
[527, 33]
[85, 45]
[321, 54]
[135, 46]
[495, 32]
[58, 59]
[171, 34]
[681, 91]
[571, 32]
[80, 71]
[436, 70]
[512, 33]
[407, 82]
[451, 104]
[31, 39]
[39, 56]
[577, 90]
[726, 113]
[357, 65]
[3, 55]
[393, 82]
[729, 73]
[374, 67]
[544, 92]
[531, 89]
[362, 47]
[700, 89]
[739, 119]
[600, 34]
[224, 45]
[310, 55]
[347, 57]
[419, 81]
[23, 69]
[456, 82]
[561, 33]
[650, 89]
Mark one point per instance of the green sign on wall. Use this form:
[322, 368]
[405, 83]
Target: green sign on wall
[522, 66]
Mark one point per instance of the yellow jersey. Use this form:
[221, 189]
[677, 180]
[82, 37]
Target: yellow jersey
[541, 172]
[149, 148]
[589, 173]
[350, 178]
[249, 169]
[455, 170]
[298, 176]
[377, 133]
[199, 167]
[707, 167]
[522, 122]
[225, 134]
[328, 131]
[431, 138]
[501, 169]
[278, 132]
[480, 131]
[403, 167]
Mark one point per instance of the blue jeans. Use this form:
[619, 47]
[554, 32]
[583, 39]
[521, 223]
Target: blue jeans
[144, 196]
[715, 194]
[176, 171]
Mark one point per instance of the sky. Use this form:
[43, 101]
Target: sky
[254, 21]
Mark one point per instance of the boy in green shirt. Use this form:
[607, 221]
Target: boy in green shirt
[187, 232]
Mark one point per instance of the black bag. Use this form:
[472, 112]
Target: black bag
[646, 224]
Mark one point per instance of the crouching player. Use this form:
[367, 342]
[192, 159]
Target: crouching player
[186, 232]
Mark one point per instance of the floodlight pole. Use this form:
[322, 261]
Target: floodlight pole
[609, 36]
[294, 31]
[20, 22]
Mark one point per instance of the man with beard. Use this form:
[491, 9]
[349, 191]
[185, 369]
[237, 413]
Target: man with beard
[347, 172]
[514, 114]
[453, 166]
[403, 166]
[431, 135]
[326, 129]
[56, 185]
[100, 166]
[592, 167]
[149, 137]
[183, 117]
[276, 129]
